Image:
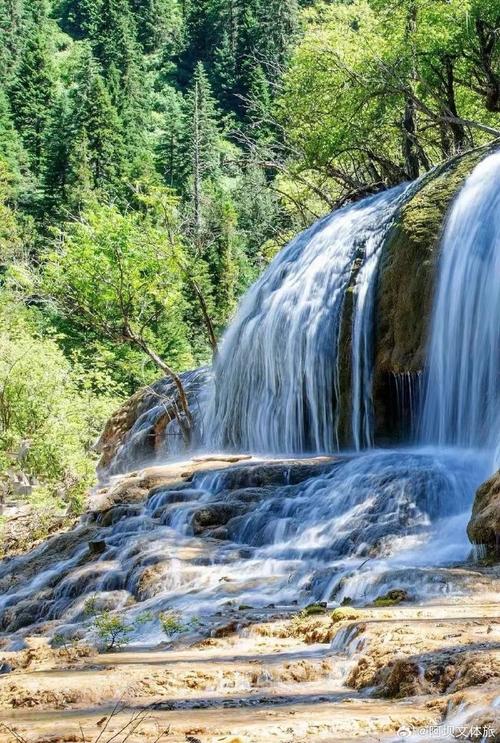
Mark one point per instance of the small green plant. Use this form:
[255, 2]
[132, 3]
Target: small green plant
[144, 618]
[171, 623]
[112, 630]
[59, 641]
[90, 607]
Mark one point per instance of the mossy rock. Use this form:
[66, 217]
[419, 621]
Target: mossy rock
[344, 613]
[313, 609]
[407, 279]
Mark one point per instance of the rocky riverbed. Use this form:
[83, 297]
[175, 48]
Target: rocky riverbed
[235, 670]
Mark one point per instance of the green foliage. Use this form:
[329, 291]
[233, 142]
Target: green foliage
[85, 150]
[171, 623]
[121, 275]
[32, 93]
[48, 421]
[112, 630]
[379, 91]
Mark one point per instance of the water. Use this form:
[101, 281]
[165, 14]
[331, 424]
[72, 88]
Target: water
[278, 386]
[407, 389]
[462, 400]
[337, 534]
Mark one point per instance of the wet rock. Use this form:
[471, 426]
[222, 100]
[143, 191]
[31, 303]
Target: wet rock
[24, 613]
[214, 514]
[226, 629]
[404, 679]
[150, 581]
[484, 526]
[97, 548]
[136, 432]
[218, 533]
[116, 514]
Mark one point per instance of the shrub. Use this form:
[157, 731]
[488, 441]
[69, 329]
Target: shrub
[171, 623]
[112, 630]
[49, 420]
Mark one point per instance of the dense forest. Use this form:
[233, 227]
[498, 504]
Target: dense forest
[154, 156]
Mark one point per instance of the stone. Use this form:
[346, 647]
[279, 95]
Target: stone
[97, 547]
[484, 526]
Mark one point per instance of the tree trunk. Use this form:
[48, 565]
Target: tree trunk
[457, 128]
[197, 165]
[410, 153]
[185, 419]
[410, 149]
[206, 317]
[488, 38]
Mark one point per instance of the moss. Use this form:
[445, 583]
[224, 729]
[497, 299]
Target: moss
[344, 358]
[344, 613]
[313, 609]
[391, 598]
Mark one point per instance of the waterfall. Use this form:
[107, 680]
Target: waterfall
[351, 526]
[462, 397]
[278, 385]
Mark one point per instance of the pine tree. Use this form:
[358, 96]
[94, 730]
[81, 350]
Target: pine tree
[32, 94]
[96, 128]
[80, 18]
[224, 71]
[10, 37]
[169, 153]
[115, 46]
[87, 148]
[159, 23]
[200, 147]
[11, 150]
[277, 22]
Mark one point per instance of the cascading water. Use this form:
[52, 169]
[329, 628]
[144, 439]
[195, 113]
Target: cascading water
[462, 400]
[277, 375]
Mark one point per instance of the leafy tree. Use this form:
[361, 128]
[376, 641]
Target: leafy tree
[119, 275]
[378, 92]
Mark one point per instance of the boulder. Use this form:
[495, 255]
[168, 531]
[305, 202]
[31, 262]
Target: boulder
[135, 434]
[214, 515]
[484, 526]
